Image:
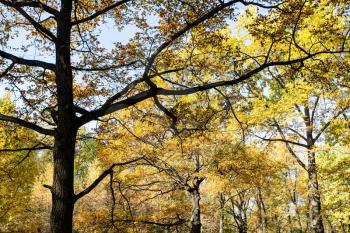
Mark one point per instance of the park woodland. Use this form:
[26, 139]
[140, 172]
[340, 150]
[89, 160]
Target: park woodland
[175, 116]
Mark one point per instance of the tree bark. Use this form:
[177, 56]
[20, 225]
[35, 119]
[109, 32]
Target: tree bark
[65, 138]
[196, 224]
[63, 186]
[314, 194]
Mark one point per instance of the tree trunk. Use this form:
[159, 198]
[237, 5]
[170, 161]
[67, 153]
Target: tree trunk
[65, 138]
[314, 196]
[196, 212]
[290, 223]
[222, 212]
[239, 213]
[63, 186]
[263, 212]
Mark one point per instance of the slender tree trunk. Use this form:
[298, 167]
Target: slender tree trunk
[196, 212]
[300, 226]
[263, 212]
[222, 212]
[260, 219]
[314, 194]
[65, 138]
[290, 223]
[196, 224]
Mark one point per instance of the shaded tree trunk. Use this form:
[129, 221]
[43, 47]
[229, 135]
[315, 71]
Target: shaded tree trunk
[64, 147]
[263, 212]
[196, 211]
[314, 196]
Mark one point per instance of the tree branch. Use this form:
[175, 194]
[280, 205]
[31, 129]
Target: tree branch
[325, 126]
[40, 28]
[27, 124]
[27, 62]
[282, 140]
[102, 176]
[179, 222]
[110, 107]
[38, 4]
[290, 148]
[101, 12]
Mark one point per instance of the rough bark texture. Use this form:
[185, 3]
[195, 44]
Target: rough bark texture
[64, 147]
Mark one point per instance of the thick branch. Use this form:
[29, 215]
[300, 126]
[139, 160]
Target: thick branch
[109, 107]
[27, 62]
[27, 124]
[26, 149]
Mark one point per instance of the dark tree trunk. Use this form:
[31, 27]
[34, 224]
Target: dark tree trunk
[314, 196]
[63, 186]
[64, 147]
[263, 212]
[243, 228]
[196, 212]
